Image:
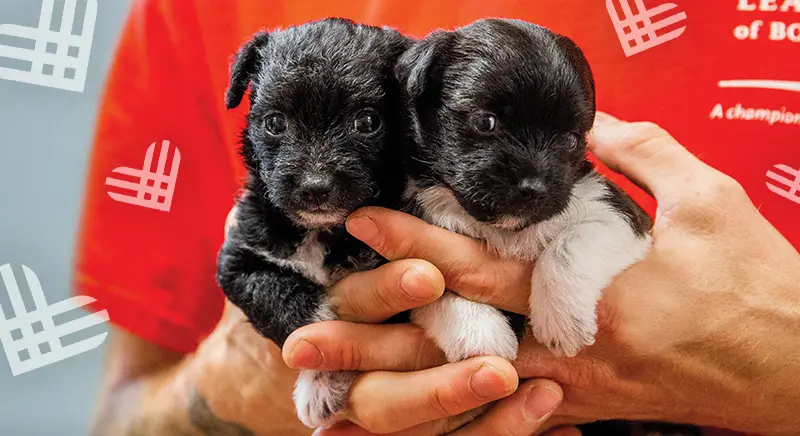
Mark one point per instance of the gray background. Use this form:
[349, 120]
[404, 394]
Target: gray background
[45, 135]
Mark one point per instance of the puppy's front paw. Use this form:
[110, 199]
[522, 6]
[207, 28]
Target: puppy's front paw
[563, 329]
[464, 329]
[497, 340]
[320, 395]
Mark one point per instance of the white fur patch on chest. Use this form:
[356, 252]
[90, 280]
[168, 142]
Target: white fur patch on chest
[440, 207]
[308, 260]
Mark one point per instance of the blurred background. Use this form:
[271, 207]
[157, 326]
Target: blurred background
[45, 135]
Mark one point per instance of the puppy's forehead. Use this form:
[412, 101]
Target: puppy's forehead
[338, 58]
[507, 60]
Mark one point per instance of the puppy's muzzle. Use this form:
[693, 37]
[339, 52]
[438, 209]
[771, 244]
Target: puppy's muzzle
[532, 187]
[315, 189]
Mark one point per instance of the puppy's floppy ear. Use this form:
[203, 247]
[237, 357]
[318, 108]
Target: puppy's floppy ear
[418, 66]
[578, 61]
[244, 68]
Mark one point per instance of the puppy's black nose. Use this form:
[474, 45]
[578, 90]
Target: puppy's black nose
[316, 189]
[532, 187]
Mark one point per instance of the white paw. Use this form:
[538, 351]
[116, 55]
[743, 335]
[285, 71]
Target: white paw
[563, 330]
[464, 329]
[492, 339]
[320, 396]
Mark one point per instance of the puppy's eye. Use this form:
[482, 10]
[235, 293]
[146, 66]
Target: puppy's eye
[275, 124]
[573, 140]
[367, 121]
[484, 122]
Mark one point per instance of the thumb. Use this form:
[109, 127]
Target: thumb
[647, 155]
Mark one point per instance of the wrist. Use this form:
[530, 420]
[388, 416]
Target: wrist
[237, 381]
[738, 365]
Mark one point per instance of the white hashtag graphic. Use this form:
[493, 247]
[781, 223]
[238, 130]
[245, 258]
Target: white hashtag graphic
[50, 335]
[791, 188]
[636, 31]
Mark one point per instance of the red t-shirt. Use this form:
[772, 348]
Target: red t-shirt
[154, 270]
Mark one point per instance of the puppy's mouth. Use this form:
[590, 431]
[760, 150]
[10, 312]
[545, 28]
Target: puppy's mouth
[316, 218]
[510, 222]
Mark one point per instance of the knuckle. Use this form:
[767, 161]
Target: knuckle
[477, 282]
[643, 140]
[644, 131]
[425, 352]
[350, 357]
[648, 129]
[389, 294]
[723, 189]
[704, 211]
[402, 246]
[444, 401]
[349, 307]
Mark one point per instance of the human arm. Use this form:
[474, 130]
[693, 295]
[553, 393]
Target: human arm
[234, 385]
[703, 330]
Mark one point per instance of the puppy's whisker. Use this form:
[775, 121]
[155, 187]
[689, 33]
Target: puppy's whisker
[423, 161]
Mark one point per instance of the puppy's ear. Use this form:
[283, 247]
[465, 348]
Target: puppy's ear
[244, 68]
[419, 66]
[578, 61]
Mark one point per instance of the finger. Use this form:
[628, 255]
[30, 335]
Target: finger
[432, 428]
[427, 395]
[376, 295]
[230, 220]
[647, 155]
[467, 267]
[339, 345]
[521, 414]
[564, 431]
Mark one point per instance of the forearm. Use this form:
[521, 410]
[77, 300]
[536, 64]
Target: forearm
[234, 384]
[741, 366]
[167, 402]
[760, 354]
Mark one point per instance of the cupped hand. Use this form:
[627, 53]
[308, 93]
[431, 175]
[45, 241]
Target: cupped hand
[409, 389]
[698, 332]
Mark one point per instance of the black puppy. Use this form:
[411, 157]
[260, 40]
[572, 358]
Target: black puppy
[501, 110]
[500, 114]
[323, 138]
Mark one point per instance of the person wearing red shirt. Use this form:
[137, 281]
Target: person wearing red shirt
[182, 362]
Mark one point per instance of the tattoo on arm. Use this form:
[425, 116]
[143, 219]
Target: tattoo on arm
[204, 420]
[122, 417]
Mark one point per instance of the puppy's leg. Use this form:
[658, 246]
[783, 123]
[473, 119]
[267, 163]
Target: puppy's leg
[572, 272]
[464, 328]
[320, 395]
[277, 302]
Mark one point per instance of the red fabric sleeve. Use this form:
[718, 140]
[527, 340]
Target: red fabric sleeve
[155, 270]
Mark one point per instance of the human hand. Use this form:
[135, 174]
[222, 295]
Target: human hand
[692, 338]
[703, 330]
[374, 296]
[239, 382]
[411, 390]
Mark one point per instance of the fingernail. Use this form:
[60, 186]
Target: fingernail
[306, 355]
[365, 229]
[317, 432]
[415, 285]
[488, 382]
[541, 402]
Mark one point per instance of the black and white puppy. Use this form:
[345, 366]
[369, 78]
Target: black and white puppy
[500, 114]
[323, 138]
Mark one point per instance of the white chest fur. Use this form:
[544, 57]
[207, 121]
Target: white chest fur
[440, 207]
[308, 260]
[578, 253]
